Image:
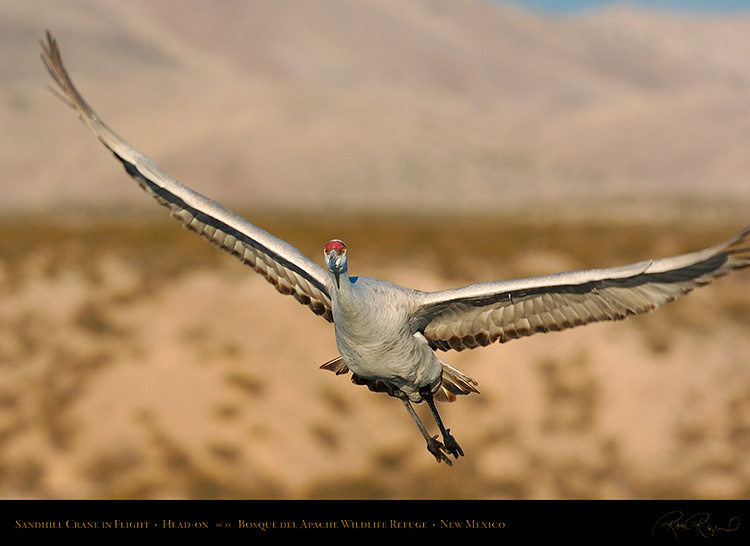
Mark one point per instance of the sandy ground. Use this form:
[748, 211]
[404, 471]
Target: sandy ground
[134, 372]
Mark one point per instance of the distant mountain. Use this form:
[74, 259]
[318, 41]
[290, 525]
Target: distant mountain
[426, 105]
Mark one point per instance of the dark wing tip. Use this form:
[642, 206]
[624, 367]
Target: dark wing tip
[67, 92]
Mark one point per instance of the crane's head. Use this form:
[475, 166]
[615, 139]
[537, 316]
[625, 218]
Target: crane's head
[335, 255]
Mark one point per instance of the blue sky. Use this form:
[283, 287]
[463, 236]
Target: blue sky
[706, 6]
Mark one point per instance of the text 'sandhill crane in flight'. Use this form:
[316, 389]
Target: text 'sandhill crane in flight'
[388, 335]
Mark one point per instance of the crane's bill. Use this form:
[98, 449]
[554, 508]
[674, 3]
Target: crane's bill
[481, 314]
[290, 271]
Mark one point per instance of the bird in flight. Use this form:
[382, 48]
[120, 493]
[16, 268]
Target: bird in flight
[388, 336]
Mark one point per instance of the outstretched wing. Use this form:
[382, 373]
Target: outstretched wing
[480, 314]
[280, 263]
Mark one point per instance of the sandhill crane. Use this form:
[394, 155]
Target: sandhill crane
[388, 335]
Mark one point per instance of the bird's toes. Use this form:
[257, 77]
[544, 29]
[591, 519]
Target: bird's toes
[438, 451]
[451, 446]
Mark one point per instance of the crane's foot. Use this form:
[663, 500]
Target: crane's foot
[451, 446]
[438, 450]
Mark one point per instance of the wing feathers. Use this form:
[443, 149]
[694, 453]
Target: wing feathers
[459, 319]
[280, 263]
[481, 314]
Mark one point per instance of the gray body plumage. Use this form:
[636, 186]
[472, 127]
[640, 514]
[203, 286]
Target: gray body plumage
[387, 335]
[375, 339]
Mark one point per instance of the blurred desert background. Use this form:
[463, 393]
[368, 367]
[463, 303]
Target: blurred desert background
[448, 142]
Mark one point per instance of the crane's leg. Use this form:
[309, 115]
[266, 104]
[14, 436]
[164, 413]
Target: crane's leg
[451, 446]
[433, 445]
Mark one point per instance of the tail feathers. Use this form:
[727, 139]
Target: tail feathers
[452, 384]
[336, 365]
